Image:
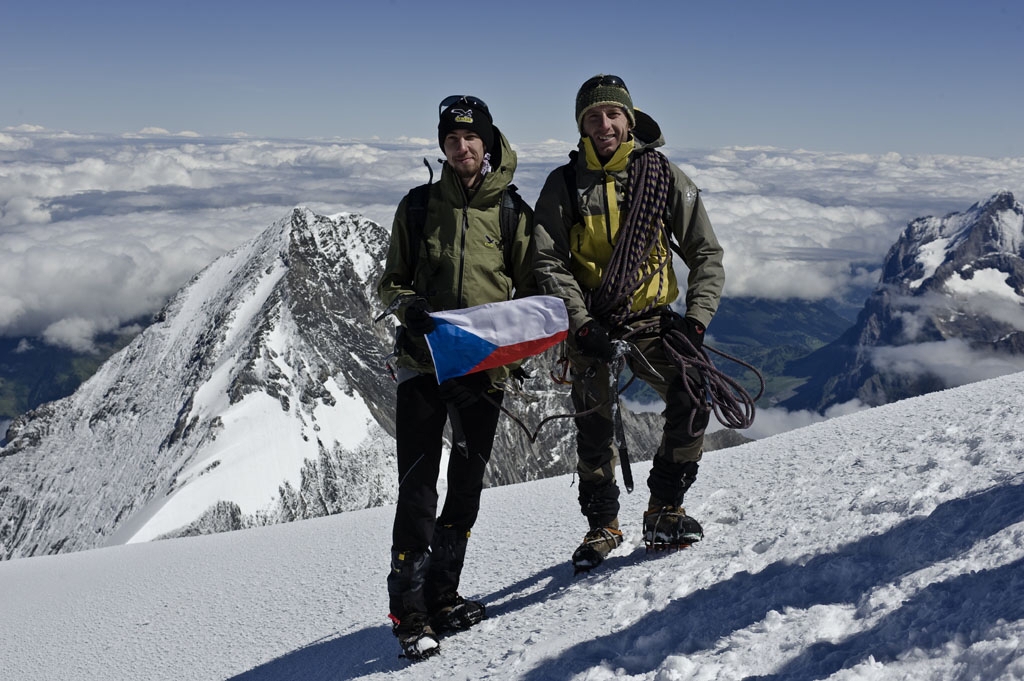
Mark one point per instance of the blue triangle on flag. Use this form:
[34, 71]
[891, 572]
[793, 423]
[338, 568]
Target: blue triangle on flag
[456, 350]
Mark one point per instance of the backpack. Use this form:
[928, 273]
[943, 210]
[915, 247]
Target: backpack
[416, 220]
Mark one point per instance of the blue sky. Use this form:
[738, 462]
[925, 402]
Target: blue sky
[911, 77]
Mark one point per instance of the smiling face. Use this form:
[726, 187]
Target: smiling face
[607, 126]
[464, 151]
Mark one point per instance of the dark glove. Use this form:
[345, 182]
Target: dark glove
[417, 317]
[689, 327]
[593, 341]
[464, 391]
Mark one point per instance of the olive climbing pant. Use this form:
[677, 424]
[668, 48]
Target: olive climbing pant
[675, 463]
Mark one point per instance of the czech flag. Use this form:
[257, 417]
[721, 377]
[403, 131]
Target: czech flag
[494, 334]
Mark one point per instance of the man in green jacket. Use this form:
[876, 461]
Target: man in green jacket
[459, 257]
[602, 243]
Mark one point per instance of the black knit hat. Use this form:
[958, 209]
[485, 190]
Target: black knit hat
[603, 89]
[465, 112]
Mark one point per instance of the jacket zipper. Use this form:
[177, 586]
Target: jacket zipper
[608, 209]
[462, 253]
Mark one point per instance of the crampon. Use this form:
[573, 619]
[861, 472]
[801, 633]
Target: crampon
[670, 529]
[596, 546]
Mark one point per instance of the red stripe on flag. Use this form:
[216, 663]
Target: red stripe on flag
[507, 354]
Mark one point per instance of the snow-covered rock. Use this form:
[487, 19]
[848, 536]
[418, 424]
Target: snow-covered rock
[948, 310]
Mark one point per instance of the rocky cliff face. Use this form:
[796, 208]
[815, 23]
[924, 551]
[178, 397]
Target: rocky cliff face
[257, 396]
[948, 309]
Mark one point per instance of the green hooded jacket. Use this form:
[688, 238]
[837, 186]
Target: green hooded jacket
[461, 260]
[570, 257]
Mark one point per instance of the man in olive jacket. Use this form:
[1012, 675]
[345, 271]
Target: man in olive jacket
[460, 259]
[601, 243]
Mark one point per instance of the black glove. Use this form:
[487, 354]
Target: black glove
[593, 341]
[417, 317]
[464, 391]
[689, 327]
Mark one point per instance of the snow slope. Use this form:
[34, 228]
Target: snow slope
[887, 544]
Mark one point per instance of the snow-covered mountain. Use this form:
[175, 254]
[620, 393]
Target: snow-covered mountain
[949, 309]
[257, 366]
[258, 396]
[886, 544]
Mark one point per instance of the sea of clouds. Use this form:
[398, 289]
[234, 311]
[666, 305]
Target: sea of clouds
[96, 231]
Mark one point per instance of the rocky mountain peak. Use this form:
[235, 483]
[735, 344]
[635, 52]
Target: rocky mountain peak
[932, 250]
[222, 400]
[952, 290]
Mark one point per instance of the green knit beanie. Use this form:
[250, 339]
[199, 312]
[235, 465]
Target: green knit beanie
[603, 89]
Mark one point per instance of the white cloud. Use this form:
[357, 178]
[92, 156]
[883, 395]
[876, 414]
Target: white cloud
[953, 361]
[25, 127]
[1003, 305]
[104, 228]
[422, 141]
[11, 143]
[77, 333]
[656, 405]
[773, 420]
[768, 421]
[11, 309]
[23, 210]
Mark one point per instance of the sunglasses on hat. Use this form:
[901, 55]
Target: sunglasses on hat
[598, 81]
[451, 100]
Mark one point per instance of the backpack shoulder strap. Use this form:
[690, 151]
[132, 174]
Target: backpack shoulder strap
[569, 177]
[416, 218]
[511, 210]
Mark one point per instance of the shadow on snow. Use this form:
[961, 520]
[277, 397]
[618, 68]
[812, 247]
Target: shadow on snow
[694, 623]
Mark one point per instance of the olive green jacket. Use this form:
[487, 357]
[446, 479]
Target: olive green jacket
[461, 260]
[571, 258]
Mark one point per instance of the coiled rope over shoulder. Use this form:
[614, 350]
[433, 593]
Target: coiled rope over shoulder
[648, 184]
[643, 231]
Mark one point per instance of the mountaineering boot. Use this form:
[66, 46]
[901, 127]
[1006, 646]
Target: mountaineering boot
[414, 634]
[597, 544]
[455, 613]
[668, 527]
[408, 615]
[448, 610]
